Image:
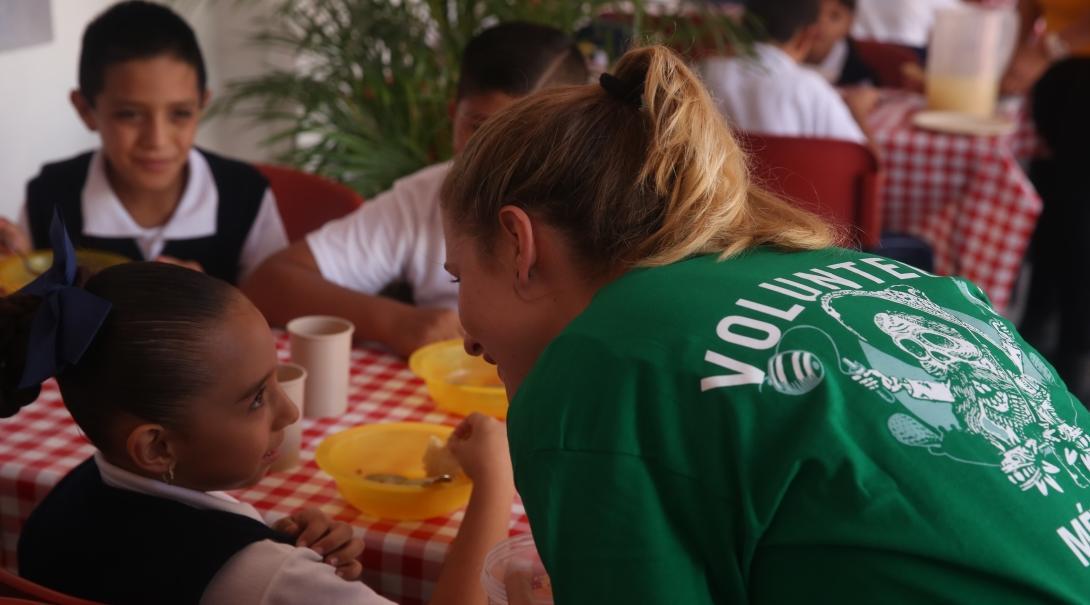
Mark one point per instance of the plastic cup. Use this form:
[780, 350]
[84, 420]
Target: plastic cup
[323, 346]
[968, 52]
[514, 575]
[292, 378]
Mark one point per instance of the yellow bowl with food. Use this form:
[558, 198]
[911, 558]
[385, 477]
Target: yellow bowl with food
[459, 382]
[356, 457]
[17, 271]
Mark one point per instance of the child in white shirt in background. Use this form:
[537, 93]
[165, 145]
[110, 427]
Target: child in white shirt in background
[341, 268]
[904, 22]
[773, 93]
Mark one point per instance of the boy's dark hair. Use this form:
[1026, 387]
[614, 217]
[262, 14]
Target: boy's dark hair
[780, 20]
[848, 4]
[148, 357]
[517, 58]
[135, 30]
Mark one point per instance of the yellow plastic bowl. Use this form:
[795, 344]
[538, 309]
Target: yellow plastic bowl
[398, 448]
[14, 273]
[459, 382]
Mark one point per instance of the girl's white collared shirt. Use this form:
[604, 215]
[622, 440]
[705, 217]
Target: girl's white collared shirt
[263, 573]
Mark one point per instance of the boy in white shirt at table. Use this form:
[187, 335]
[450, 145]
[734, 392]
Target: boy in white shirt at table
[773, 93]
[904, 22]
[341, 268]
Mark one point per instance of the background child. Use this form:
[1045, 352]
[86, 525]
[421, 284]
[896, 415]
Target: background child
[834, 54]
[176, 419]
[147, 193]
[341, 268]
[773, 93]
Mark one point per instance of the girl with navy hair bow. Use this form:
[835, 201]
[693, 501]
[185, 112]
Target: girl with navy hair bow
[171, 374]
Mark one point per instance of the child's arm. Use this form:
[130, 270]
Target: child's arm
[480, 444]
[290, 285]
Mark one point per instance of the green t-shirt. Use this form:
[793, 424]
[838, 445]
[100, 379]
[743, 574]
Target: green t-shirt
[816, 427]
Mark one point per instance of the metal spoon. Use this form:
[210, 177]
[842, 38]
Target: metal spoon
[394, 479]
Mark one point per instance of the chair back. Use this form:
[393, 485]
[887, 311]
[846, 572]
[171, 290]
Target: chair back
[839, 180]
[16, 590]
[307, 201]
[888, 62]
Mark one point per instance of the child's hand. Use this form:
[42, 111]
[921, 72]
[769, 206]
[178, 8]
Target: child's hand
[13, 240]
[188, 264]
[422, 326]
[480, 445]
[332, 540]
[861, 100]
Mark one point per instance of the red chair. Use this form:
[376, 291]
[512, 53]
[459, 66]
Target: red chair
[839, 180]
[888, 62]
[307, 201]
[15, 589]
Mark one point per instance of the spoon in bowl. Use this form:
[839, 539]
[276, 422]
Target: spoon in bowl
[393, 479]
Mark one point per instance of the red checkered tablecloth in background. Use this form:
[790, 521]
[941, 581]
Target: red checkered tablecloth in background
[402, 559]
[966, 196]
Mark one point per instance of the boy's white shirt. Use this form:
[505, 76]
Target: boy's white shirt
[905, 22]
[774, 94]
[195, 216]
[263, 573]
[398, 236]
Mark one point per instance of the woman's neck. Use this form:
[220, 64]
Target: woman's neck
[148, 208]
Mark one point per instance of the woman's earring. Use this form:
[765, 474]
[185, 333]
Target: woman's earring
[168, 477]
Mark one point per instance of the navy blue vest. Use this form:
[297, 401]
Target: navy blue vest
[97, 542]
[240, 187]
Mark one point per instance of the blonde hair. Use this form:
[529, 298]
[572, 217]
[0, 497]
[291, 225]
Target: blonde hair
[628, 186]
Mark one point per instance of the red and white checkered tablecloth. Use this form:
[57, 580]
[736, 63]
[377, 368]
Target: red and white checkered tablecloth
[966, 196]
[401, 560]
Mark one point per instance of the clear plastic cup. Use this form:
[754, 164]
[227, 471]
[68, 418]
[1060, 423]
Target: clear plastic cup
[514, 575]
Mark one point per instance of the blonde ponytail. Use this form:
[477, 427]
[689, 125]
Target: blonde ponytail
[629, 186]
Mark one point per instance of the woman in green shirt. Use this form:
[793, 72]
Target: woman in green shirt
[710, 403]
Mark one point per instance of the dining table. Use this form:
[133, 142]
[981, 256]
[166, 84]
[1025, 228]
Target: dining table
[966, 195]
[401, 559]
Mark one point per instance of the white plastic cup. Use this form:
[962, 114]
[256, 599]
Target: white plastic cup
[292, 378]
[514, 575]
[323, 346]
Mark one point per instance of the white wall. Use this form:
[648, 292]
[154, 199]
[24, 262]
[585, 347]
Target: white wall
[37, 123]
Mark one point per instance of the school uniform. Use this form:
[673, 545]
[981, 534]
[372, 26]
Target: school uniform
[396, 237]
[108, 535]
[226, 219]
[773, 94]
[844, 66]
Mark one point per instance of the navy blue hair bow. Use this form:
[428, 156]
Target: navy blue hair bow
[68, 317]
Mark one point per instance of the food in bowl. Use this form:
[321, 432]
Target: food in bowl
[398, 448]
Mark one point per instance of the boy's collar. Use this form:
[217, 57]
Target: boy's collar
[194, 217]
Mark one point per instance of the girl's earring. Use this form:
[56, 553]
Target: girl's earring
[168, 477]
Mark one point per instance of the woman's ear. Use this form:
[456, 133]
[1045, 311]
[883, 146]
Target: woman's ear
[149, 447]
[518, 231]
[84, 109]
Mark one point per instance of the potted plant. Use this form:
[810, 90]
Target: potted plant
[366, 100]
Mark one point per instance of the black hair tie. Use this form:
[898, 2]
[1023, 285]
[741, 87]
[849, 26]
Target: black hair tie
[629, 92]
